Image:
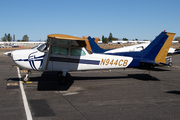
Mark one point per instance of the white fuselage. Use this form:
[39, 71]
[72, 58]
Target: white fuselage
[36, 60]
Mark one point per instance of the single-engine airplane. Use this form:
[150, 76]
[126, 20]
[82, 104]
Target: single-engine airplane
[63, 53]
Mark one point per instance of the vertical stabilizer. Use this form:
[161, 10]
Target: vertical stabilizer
[157, 50]
[164, 50]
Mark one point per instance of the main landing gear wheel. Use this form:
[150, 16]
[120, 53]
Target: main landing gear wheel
[170, 64]
[151, 67]
[62, 80]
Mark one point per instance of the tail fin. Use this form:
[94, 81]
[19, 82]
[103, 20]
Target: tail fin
[158, 49]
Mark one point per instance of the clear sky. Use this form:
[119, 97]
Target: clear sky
[141, 19]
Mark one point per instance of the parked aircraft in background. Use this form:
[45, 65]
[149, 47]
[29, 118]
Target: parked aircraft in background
[64, 53]
[94, 47]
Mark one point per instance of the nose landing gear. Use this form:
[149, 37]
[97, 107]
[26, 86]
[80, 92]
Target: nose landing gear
[26, 78]
[62, 79]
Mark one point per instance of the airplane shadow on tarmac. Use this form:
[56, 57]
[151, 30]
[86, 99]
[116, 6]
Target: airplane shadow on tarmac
[48, 80]
[143, 77]
[174, 92]
[154, 69]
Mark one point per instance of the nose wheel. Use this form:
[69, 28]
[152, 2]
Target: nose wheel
[26, 78]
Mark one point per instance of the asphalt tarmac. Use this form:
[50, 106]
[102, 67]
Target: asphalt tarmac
[130, 94]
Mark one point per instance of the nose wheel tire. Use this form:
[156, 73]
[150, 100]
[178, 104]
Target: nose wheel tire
[25, 78]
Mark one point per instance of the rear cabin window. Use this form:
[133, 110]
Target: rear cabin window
[77, 52]
[60, 50]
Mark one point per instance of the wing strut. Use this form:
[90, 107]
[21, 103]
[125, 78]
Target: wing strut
[48, 55]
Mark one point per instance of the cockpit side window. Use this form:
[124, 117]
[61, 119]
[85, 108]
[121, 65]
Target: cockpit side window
[77, 52]
[60, 50]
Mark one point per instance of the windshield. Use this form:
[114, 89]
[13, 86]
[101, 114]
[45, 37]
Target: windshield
[35, 47]
[42, 47]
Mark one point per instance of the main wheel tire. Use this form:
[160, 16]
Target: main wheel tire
[170, 64]
[59, 74]
[62, 80]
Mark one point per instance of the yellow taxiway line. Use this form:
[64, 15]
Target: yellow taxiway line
[26, 82]
[12, 84]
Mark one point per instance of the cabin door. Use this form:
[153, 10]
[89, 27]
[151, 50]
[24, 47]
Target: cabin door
[59, 58]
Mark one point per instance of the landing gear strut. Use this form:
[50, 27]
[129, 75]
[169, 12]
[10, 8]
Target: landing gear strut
[62, 80]
[26, 78]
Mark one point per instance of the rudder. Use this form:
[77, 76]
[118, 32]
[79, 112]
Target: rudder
[164, 50]
[157, 50]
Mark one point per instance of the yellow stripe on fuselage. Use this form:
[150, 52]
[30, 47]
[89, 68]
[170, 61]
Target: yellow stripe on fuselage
[164, 50]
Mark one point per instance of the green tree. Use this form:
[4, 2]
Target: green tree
[177, 39]
[110, 38]
[9, 38]
[3, 39]
[104, 39]
[115, 39]
[13, 38]
[125, 39]
[6, 37]
[25, 38]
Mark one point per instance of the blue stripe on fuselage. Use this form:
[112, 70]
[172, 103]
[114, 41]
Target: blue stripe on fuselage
[22, 60]
[73, 60]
